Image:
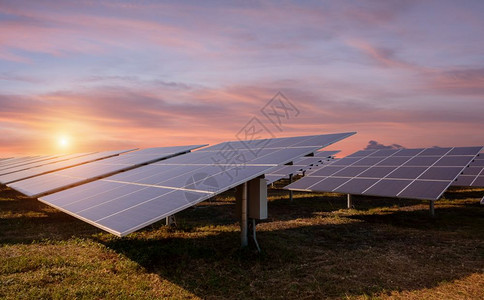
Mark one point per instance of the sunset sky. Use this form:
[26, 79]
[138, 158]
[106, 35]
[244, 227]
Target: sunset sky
[81, 76]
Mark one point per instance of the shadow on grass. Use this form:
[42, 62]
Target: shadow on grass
[349, 253]
[321, 260]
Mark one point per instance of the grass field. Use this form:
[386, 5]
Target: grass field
[311, 248]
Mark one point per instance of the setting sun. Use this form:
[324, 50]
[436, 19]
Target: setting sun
[63, 142]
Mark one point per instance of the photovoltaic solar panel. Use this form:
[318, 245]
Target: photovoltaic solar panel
[131, 200]
[21, 160]
[299, 166]
[472, 175]
[406, 173]
[6, 168]
[49, 160]
[38, 161]
[48, 183]
[24, 173]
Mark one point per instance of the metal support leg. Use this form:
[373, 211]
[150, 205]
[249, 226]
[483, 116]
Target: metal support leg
[253, 234]
[349, 201]
[290, 191]
[244, 242]
[171, 220]
[432, 209]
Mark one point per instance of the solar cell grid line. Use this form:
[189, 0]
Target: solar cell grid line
[42, 169]
[68, 177]
[163, 188]
[412, 173]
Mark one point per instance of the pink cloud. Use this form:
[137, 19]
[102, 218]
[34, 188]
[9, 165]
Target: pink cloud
[382, 56]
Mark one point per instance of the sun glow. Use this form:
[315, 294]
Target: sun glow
[63, 142]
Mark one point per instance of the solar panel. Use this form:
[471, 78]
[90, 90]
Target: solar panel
[21, 160]
[299, 166]
[8, 160]
[60, 179]
[26, 164]
[131, 200]
[407, 173]
[473, 175]
[43, 168]
[48, 160]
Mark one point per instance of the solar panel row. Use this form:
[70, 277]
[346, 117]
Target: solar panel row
[20, 160]
[406, 173]
[131, 200]
[46, 161]
[25, 173]
[40, 183]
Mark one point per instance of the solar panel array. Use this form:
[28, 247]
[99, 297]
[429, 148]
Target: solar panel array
[299, 166]
[61, 179]
[24, 173]
[131, 200]
[473, 175]
[405, 173]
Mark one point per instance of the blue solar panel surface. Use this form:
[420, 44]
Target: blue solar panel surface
[51, 182]
[407, 173]
[473, 175]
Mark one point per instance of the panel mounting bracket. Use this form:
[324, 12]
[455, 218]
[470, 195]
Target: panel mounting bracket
[171, 221]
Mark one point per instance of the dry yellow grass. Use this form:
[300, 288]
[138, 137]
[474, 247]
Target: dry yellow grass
[312, 248]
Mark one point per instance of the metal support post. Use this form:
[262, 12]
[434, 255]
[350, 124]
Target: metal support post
[244, 242]
[253, 233]
[290, 191]
[432, 209]
[349, 202]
